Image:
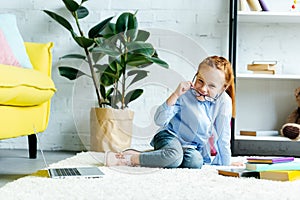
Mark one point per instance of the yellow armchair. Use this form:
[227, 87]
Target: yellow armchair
[25, 96]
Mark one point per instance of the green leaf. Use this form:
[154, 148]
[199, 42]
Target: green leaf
[62, 21]
[82, 12]
[83, 41]
[142, 48]
[159, 62]
[71, 5]
[139, 75]
[106, 50]
[108, 77]
[106, 80]
[125, 22]
[109, 92]
[75, 56]
[70, 72]
[111, 43]
[137, 60]
[97, 56]
[131, 35]
[102, 91]
[113, 65]
[132, 95]
[100, 68]
[142, 35]
[109, 30]
[94, 32]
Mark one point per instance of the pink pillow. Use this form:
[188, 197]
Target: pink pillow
[6, 55]
[9, 27]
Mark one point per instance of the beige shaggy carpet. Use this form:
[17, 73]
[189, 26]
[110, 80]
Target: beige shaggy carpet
[146, 183]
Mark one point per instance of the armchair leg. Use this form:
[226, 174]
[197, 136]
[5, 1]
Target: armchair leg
[32, 143]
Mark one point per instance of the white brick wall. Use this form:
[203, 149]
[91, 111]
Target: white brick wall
[199, 22]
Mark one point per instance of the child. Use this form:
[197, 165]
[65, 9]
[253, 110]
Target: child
[194, 112]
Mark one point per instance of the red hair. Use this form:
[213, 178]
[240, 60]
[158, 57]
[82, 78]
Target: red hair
[224, 65]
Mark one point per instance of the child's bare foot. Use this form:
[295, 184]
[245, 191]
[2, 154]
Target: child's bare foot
[121, 155]
[237, 164]
[111, 159]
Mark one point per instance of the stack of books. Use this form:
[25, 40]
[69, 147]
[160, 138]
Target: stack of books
[262, 67]
[270, 168]
[259, 132]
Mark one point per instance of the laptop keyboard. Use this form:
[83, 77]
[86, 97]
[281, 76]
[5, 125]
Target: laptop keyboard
[67, 172]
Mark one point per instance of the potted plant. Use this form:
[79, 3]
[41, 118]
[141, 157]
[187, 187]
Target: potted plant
[117, 54]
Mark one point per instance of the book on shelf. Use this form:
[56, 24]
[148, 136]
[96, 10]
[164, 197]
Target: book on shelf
[287, 175]
[259, 133]
[238, 172]
[269, 62]
[264, 72]
[269, 160]
[263, 5]
[254, 5]
[243, 5]
[260, 67]
[272, 167]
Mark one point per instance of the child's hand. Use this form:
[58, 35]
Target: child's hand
[183, 87]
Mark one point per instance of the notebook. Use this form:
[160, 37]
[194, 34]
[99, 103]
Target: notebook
[73, 172]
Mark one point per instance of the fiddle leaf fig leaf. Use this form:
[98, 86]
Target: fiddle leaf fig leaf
[139, 75]
[82, 12]
[70, 72]
[83, 41]
[126, 21]
[115, 65]
[95, 31]
[100, 68]
[108, 77]
[71, 5]
[137, 60]
[109, 92]
[142, 35]
[105, 50]
[132, 95]
[59, 19]
[109, 30]
[102, 91]
[142, 48]
[131, 35]
[127, 24]
[75, 56]
[97, 56]
[159, 62]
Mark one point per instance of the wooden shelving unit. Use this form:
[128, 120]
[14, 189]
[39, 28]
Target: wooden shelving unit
[263, 100]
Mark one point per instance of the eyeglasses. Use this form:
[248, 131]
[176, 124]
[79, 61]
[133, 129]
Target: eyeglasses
[196, 93]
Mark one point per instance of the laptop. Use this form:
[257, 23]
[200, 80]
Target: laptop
[73, 172]
[76, 172]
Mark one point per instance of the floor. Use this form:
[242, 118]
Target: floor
[15, 164]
